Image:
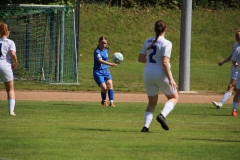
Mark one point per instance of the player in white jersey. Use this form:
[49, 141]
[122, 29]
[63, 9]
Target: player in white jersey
[7, 52]
[236, 98]
[156, 52]
[233, 74]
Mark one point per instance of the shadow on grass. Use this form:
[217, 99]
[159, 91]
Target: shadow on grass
[110, 130]
[212, 140]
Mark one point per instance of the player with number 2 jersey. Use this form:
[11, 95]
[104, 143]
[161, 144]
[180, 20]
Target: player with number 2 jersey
[156, 53]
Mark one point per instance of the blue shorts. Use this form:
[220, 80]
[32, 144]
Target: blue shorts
[101, 76]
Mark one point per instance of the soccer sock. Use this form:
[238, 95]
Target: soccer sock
[148, 119]
[225, 97]
[235, 105]
[111, 95]
[168, 107]
[103, 95]
[11, 104]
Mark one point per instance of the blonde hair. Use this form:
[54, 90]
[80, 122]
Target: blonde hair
[4, 29]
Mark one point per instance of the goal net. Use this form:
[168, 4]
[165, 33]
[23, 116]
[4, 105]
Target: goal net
[45, 40]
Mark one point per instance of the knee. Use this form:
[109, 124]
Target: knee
[230, 87]
[109, 85]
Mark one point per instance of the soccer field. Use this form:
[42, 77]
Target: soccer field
[84, 130]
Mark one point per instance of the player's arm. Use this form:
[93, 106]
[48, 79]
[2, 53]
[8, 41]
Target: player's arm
[225, 60]
[100, 60]
[14, 58]
[142, 58]
[166, 67]
[234, 58]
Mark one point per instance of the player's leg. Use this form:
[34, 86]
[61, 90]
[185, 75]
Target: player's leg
[172, 96]
[229, 91]
[99, 79]
[227, 94]
[152, 93]
[7, 77]
[152, 103]
[236, 98]
[9, 86]
[110, 92]
[103, 94]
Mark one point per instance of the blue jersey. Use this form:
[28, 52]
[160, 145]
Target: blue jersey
[100, 54]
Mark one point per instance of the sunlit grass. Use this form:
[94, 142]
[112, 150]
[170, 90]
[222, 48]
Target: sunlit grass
[82, 130]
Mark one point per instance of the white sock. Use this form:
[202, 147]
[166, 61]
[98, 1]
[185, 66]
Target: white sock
[225, 97]
[235, 105]
[148, 119]
[168, 107]
[11, 105]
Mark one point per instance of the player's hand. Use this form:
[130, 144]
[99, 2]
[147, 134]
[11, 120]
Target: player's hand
[114, 65]
[14, 65]
[173, 84]
[235, 64]
[220, 63]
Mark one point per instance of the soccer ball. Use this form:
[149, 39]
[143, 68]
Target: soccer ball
[117, 57]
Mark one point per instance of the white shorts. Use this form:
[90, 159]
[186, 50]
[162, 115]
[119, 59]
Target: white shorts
[238, 82]
[6, 73]
[155, 79]
[233, 75]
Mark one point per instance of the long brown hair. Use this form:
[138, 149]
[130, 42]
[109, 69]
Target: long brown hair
[159, 28]
[100, 39]
[4, 29]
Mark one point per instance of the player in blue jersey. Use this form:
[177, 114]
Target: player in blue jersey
[7, 52]
[156, 53]
[101, 73]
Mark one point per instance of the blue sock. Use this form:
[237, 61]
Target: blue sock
[111, 95]
[103, 95]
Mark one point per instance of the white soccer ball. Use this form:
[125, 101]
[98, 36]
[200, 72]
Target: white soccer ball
[117, 57]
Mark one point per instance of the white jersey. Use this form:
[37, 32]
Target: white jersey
[154, 55]
[153, 75]
[236, 57]
[235, 45]
[5, 46]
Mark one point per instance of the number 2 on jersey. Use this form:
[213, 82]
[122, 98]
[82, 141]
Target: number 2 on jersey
[151, 60]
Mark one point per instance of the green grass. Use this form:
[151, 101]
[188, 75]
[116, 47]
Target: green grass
[128, 78]
[83, 130]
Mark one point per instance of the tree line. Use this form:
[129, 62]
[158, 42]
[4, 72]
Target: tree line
[164, 4]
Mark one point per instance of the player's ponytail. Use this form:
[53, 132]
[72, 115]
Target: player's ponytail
[159, 28]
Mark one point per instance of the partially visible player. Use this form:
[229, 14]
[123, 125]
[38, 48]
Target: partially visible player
[236, 98]
[7, 52]
[156, 53]
[101, 73]
[233, 74]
